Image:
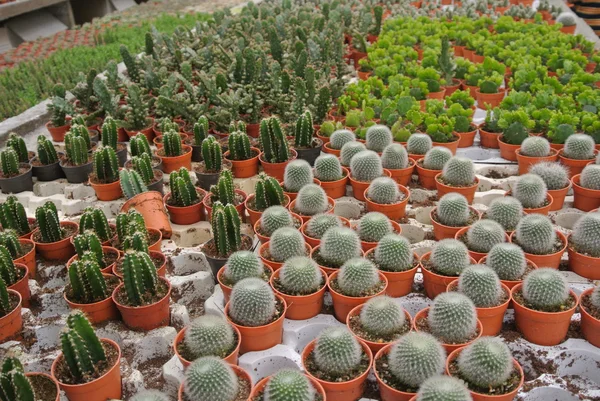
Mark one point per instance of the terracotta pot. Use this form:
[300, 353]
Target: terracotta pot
[157, 246]
[148, 317]
[302, 307]
[151, 207]
[97, 312]
[261, 337]
[232, 358]
[48, 378]
[342, 304]
[511, 283]
[341, 391]
[29, 258]
[227, 289]
[477, 256]
[583, 198]
[552, 260]
[305, 218]
[260, 386]
[437, 95]
[254, 215]
[170, 164]
[542, 328]
[585, 266]
[328, 149]
[424, 313]
[539, 210]
[527, 161]
[557, 146]
[450, 89]
[60, 250]
[386, 392]
[336, 189]
[590, 326]
[313, 242]
[363, 76]
[12, 323]
[573, 165]
[271, 263]
[467, 192]
[394, 211]
[22, 285]
[570, 30]
[160, 270]
[244, 168]
[240, 208]
[487, 397]
[458, 51]
[488, 139]
[507, 150]
[558, 197]
[373, 346]
[488, 99]
[276, 170]
[359, 187]
[366, 245]
[441, 231]
[434, 283]
[185, 215]
[426, 176]
[453, 146]
[32, 223]
[472, 89]
[466, 138]
[399, 283]
[107, 192]
[58, 133]
[239, 372]
[403, 176]
[147, 132]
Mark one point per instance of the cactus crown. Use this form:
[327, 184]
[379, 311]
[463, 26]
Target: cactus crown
[210, 379]
[328, 168]
[8, 271]
[535, 146]
[48, 223]
[507, 260]
[289, 385]
[226, 229]
[300, 275]
[382, 317]
[590, 177]
[143, 166]
[459, 171]
[443, 388]
[303, 130]
[252, 303]
[298, 173]
[554, 175]
[373, 226]
[212, 154]
[106, 165]
[482, 285]
[110, 133]
[132, 183]
[484, 234]
[13, 216]
[384, 190]
[419, 144]
[172, 145]
[320, 223]
[358, 277]
[9, 163]
[286, 242]
[338, 245]
[341, 137]
[239, 146]
[393, 253]
[349, 150]
[545, 289]
[585, 237]
[535, 234]
[579, 147]
[274, 218]
[453, 210]
[378, 137]
[200, 130]
[337, 351]
[183, 192]
[394, 157]
[140, 279]
[507, 211]
[450, 257]
[46, 151]
[130, 223]
[241, 265]
[209, 335]
[139, 145]
[17, 143]
[10, 241]
[268, 192]
[452, 318]
[436, 158]
[311, 200]
[89, 242]
[486, 362]
[273, 141]
[15, 385]
[224, 190]
[530, 190]
[86, 280]
[366, 166]
[94, 220]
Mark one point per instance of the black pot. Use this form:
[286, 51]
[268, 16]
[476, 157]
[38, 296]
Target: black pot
[50, 172]
[122, 154]
[196, 153]
[205, 180]
[20, 183]
[310, 155]
[158, 185]
[77, 174]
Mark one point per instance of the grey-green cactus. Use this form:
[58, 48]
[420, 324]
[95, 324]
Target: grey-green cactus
[183, 192]
[365, 166]
[337, 351]
[585, 237]
[209, 335]
[382, 316]
[357, 277]
[443, 388]
[535, 234]
[555, 175]
[150, 395]
[590, 177]
[419, 144]
[452, 318]
[132, 183]
[378, 137]
[300, 275]
[349, 150]
[415, 357]
[298, 173]
[535, 146]
[373, 226]
[384, 190]
[210, 379]
[484, 234]
[545, 289]
[507, 260]
[338, 245]
[328, 168]
[459, 171]
[341, 137]
[394, 157]
[274, 218]
[579, 147]
[449, 257]
[289, 385]
[252, 303]
[530, 190]
[486, 362]
[453, 210]
[241, 265]
[311, 200]
[436, 158]
[320, 223]
[285, 243]
[507, 211]
[48, 223]
[393, 253]
[567, 19]
[482, 285]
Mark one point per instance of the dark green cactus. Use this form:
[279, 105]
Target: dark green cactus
[110, 133]
[87, 283]
[268, 192]
[137, 241]
[5, 305]
[273, 141]
[139, 145]
[14, 385]
[18, 145]
[200, 130]
[106, 165]
[140, 279]
[94, 220]
[237, 126]
[79, 129]
[226, 229]
[8, 270]
[10, 241]
[172, 144]
[76, 149]
[143, 166]
[48, 223]
[183, 192]
[304, 130]
[129, 223]
[212, 154]
[13, 216]
[9, 162]
[239, 146]
[89, 242]
[132, 183]
[224, 190]
[46, 152]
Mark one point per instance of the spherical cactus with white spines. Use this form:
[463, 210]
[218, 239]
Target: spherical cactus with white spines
[393, 253]
[459, 171]
[357, 277]
[535, 146]
[482, 285]
[209, 335]
[418, 144]
[416, 357]
[443, 388]
[341, 137]
[579, 147]
[530, 190]
[210, 379]
[378, 137]
[241, 265]
[508, 261]
[275, 217]
[337, 351]
[285, 243]
[585, 237]
[289, 385]
[150, 395]
[252, 303]
[486, 362]
[365, 166]
[449, 257]
[382, 316]
[555, 175]
[590, 177]
[320, 223]
[453, 210]
[328, 168]
[394, 157]
[436, 158]
[384, 191]
[300, 275]
[349, 150]
[338, 245]
[484, 234]
[373, 226]
[535, 234]
[298, 173]
[595, 297]
[545, 289]
[452, 318]
[505, 210]
[311, 200]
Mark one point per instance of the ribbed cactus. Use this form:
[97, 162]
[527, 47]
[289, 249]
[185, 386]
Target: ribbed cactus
[13, 216]
[339, 244]
[143, 166]
[484, 234]
[172, 144]
[337, 351]
[212, 154]
[507, 260]
[224, 190]
[545, 289]
[590, 177]
[289, 385]
[200, 130]
[436, 158]
[17, 143]
[579, 147]
[110, 133]
[419, 144]
[373, 226]
[449, 257]
[311, 200]
[150, 395]
[89, 242]
[130, 223]
[209, 335]
[452, 318]
[393, 253]
[320, 223]
[535, 234]
[443, 388]
[10, 241]
[378, 137]
[140, 279]
[555, 175]
[328, 168]
[383, 190]
[298, 173]
[300, 275]
[241, 265]
[505, 210]
[82, 350]
[535, 146]
[585, 237]
[225, 224]
[94, 220]
[274, 218]
[14, 385]
[132, 183]
[341, 137]
[106, 165]
[415, 357]
[366, 166]
[486, 362]
[46, 151]
[357, 277]
[482, 285]
[349, 150]
[86, 280]
[382, 316]
[9, 163]
[139, 145]
[5, 303]
[453, 210]
[239, 146]
[530, 190]
[8, 271]
[303, 130]
[48, 223]
[183, 192]
[394, 157]
[273, 141]
[285, 243]
[79, 131]
[268, 192]
[252, 303]
[458, 171]
[210, 379]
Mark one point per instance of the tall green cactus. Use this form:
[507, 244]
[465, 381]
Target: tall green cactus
[87, 283]
[200, 130]
[130, 62]
[268, 192]
[110, 133]
[212, 154]
[94, 220]
[45, 150]
[10, 241]
[137, 241]
[226, 229]
[48, 223]
[76, 149]
[183, 192]
[5, 304]
[273, 141]
[132, 183]
[224, 191]
[9, 163]
[89, 242]
[129, 223]
[18, 145]
[143, 166]
[239, 146]
[106, 165]
[303, 130]
[172, 144]
[80, 130]
[14, 385]
[8, 270]
[140, 279]
[139, 145]
[13, 216]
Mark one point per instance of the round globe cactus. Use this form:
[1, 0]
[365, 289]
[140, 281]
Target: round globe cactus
[357, 277]
[393, 254]
[209, 335]
[486, 362]
[320, 223]
[252, 303]
[443, 388]
[384, 191]
[458, 171]
[328, 168]
[210, 379]
[289, 385]
[452, 318]
[365, 166]
[508, 261]
[585, 237]
[555, 175]
[530, 190]
[285, 243]
[436, 158]
[338, 245]
[579, 147]
[273, 218]
[337, 351]
[300, 276]
[297, 174]
[482, 285]
[453, 210]
[241, 265]
[545, 289]
[311, 200]
[349, 150]
[507, 211]
[373, 226]
[484, 234]
[590, 177]
[382, 316]
[394, 157]
[418, 144]
[535, 234]
[535, 146]
[449, 257]
[378, 137]
[341, 137]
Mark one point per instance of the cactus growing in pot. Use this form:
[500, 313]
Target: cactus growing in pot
[357, 277]
[16, 385]
[95, 220]
[8, 271]
[394, 157]
[224, 190]
[209, 335]
[298, 173]
[507, 260]
[378, 137]
[10, 241]
[585, 237]
[172, 146]
[373, 226]
[349, 150]
[443, 388]
[300, 275]
[436, 158]
[212, 155]
[210, 379]
[458, 172]
[143, 166]
[225, 224]
[268, 192]
[87, 285]
[341, 137]
[449, 257]
[183, 192]
[273, 218]
[46, 152]
[106, 166]
[132, 183]
[393, 254]
[452, 318]
[48, 223]
[89, 242]
[535, 146]
[590, 177]
[327, 168]
[382, 317]
[17, 143]
[320, 223]
[311, 200]
[483, 235]
[9, 163]
[241, 265]
[273, 141]
[555, 175]
[140, 279]
[453, 210]
[285, 243]
[419, 144]
[579, 147]
[338, 245]
[239, 146]
[507, 211]
[289, 385]
[366, 166]
[337, 352]
[545, 289]
[535, 234]
[482, 285]
[384, 190]
[139, 145]
[531, 191]
[485, 363]
[252, 303]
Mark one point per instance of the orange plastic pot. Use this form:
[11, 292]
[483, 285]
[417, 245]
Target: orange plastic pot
[148, 317]
[404, 175]
[453, 146]
[260, 387]
[488, 139]
[527, 161]
[336, 189]
[157, 246]
[539, 210]
[542, 328]
[437, 95]
[558, 197]
[239, 208]
[351, 390]
[477, 256]
[569, 30]
[96, 312]
[12, 323]
[485, 100]
[271, 263]
[426, 176]
[450, 89]
[276, 170]
[590, 326]
[105, 249]
[22, 285]
[583, 198]
[366, 245]
[467, 192]
[441, 231]
[552, 260]
[424, 313]
[260, 338]
[161, 270]
[394, 211]
[373, 346]
[305, 218]
[107, 192]
[313, 242]
[585, 266]
[232, 358]
[434, 283]
[58, 133]
[59, 250]
[244, 168]
[147, 132]
[170, 164]
[29, 258]
[363, 76]
[573, 165]
[302, 307]
[343, 304]
[471, 88]
[151, 206]
[466, 138]
[239, 372]
[254, 215]
[359, 187]
[47, 377]
[507, 150]
[293, 195]
[386, 392]
[227, 289]
[511, 283]
[185, 215]
[399, 283]
[328, 149]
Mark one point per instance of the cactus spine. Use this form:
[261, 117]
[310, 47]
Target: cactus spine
[140, 279]
[183, 192]
[45, 150]
[268, 192]
[132, 183]
[225, 224]
[13, 216]
[212, 154]
[273, 141]
[48, 223]
[86, 280]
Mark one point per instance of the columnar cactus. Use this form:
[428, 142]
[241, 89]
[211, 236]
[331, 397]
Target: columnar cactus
[357, 277]
[579, 147]
[241, 265]
[486, 362]
[303, 130]
[394, 157]
[453, 210]
[273, 141]
[443, 388]
[300, 275]
[94, 220]
[209, 335]
[15, 385]
[530, 190]
[200, 130]
[328, 168]
[268, 192]
[239, 146]
[110, 133]
[590, 177]
[452, 318]
[555, 175]
[320, 223]
[415, 357]
[365, 166]
[150, 395]
[172, 144]
[140, 279]
[76, 149]
[545, 289]
[139, 145]
[482, 285]
[212, 154]
[9, 163]
[183, 192]
[341, 137]
[86, 280]
[393, 253]
[419, 144]
[8, 271]
[13, 216]
[252, 303]
[298, 173]
[507, 211]
[337, 351]
[484, 234]
[458, 171]
[450, 257]
[384, 190]
[89, 242]
[349, 150]
[224, 190]
[286, 242]
[143, 166]
[80, 131]
[137, 241]
[507, 260]
[106, 165]
[585, 237]
[436, 158]
[5, 303]
[210, 379]
[535, 146]
[378, 137]
[339, 244]
[289, 385]
[17, 143]
[48, 223]
[10, 241]
[129, 223]
[274, 218]
[132, 183]
[311, 200]
[46, 151]
[382, 316]
[373, 226]
[535, 234]
[225, 224]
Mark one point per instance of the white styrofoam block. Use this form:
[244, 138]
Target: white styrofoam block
[193, 288]
[262, 364]
[215, 304]
[298, 333]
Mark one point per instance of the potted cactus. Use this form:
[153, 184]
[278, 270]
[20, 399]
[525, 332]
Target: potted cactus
[481, 236]
[143, 297]
[17, 143]
[543, 245]
[274, 218]
[110, 136]
[207, 335]
[338, 245]
[285, 243]
[61, 111]
[579, 151]
[418, 145]
[451, 215]
[138, 146]
[131, 223]
[505, 210]
[365, 166]
[14, 275]
[137, 242]
[443, 387]
[136, 116]
[211, 378]
[258, 313]
[586, 188]
[429, 166]
[306, 145]
[243, 157]
[569, 23]
[276, 152]
[311, 200]
[590, 315]
[198, 134]
[441, 266]
[52, 238]
[395, 159]
[402, 367]
[314, 228]
[45, 165]
[22, 250]
[287, 383]
[15, 177]
[13, 217]
[543, 306]
[152, 177]
[339, 362]
[499, 381]
[211, 165]
[556, 178]
[105, 256]
[226, 193]
[174, 154]
[267, 193]
[509, 263]
[489, 93]
[11, 304]
[184, 202]
[534, 150]
[348, 151]
[386, 196]
[584, 246]
[241, 265]
[458, 175]
[331, 175]
[301, 283]
[104, 177]
[77, 165]
[372, 227]
[21, 385]
[531, 191]
[297, 174]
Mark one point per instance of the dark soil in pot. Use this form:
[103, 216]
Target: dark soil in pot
[122, 153]
[157, 183]
[206, 179]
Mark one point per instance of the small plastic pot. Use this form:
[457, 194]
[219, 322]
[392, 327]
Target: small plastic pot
[434, 283]
[488, 139]
[386, 392]
[77, 174]
[147, 317]
[336, 189]
[424, 313]
[590, 326]
[527, 161]
[239, 207]
[20, 183]
[36, 376]
[254, 215]
[394, 211]
[441, 231]
[558, 197]
[161, 270]
[58, 133]
[60, 250]
[452, 146]
[584, 199]
[492, 100]
[467, 192]
[48, 172]
[573, 165]
[343, 304]
[583, 265]
[404, 175]
[551, 260]
[477, 256]
[96, 312]
[22, 285]
[313, 242]
[185, 215]
[276, 170]
[232, 358]
[359, 187]
[151, 207]
[302, 307]
[306, 218]
[157, 186]
[227, 289]
[244, 168]
[507, 150]
[239, 372]
[107, 192]
[174, 163]
[12, 323]
[310, 154]
[426, 176]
